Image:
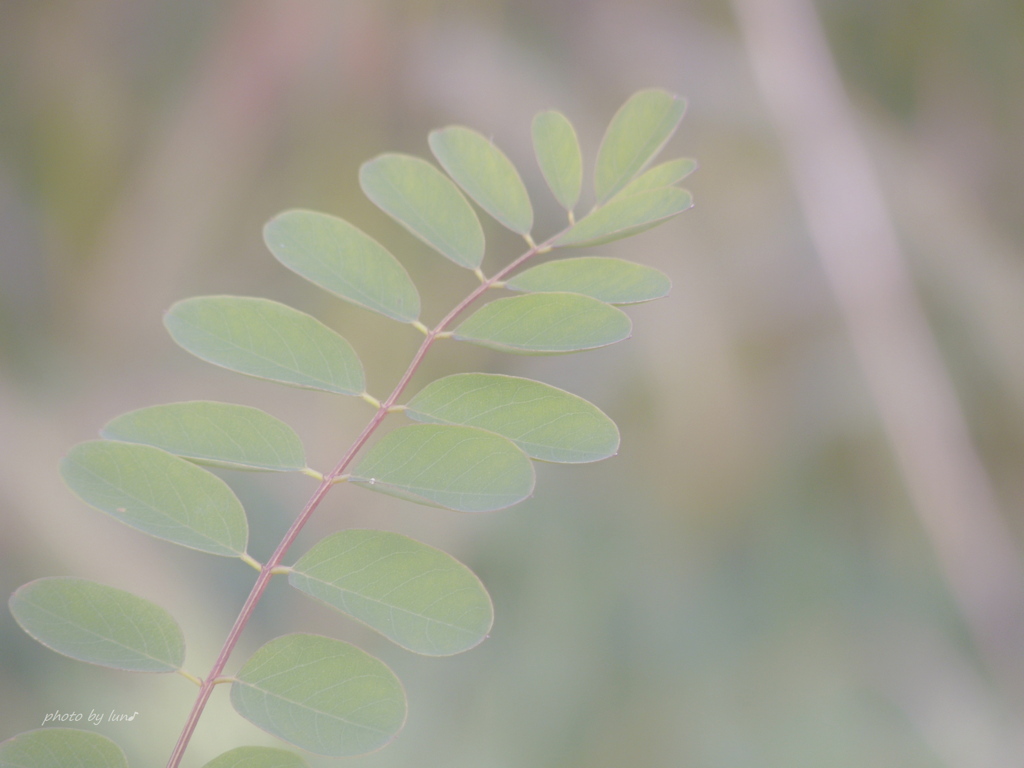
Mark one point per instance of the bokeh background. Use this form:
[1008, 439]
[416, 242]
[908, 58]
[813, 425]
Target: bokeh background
[749, 583]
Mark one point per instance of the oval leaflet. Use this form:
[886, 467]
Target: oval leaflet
[548, 423]
[461, 468]
[486, 175]
[427, 203]
[417, 596]
[159, 494]
[558, 154]
[99, 624]
[320, 694]
[218, 434]
[545, 324]
[344, 260]
[268, 340]
[613, 281]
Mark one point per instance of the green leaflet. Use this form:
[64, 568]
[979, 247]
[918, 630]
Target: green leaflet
[257, 757]
[636, 134]
[61, 748]
[268, 340]
[461, 468]
[320, 694]
[548, 423]
[159, 494]
[625, 216]
[612, 281]
[344, 260]
[559, 157]
[486, 175]
[99, 624]
[545, 324]
[426, 202]
[664, 175]
[417, 596]
[219, 434]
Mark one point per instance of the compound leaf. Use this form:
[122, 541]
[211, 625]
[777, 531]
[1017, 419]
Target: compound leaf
[257, 757]
[320, 694]
[613, 281]
[545, 324]
[420, 597]
[159, 494]
[664, 175]
[426, 202]
[99, 624]
[625, 216]
[485, 173]
[636, 134]
[61, 748]
[461, 468]
[218, 434]
[548, 423]
[559, 157]
[268, 340]
[344, 260]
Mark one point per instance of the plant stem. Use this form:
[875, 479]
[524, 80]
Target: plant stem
[318, 495]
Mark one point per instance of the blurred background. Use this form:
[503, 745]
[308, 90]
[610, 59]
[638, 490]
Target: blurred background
[752, 582]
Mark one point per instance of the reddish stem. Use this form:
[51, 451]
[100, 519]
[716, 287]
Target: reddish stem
[314, 501]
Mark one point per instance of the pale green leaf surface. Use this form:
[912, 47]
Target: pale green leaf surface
[344, 260]
[559, 157]
[485, 173]
[159, 494]
[99, 624]
[636, 134]
[612, 281]
[625, 216]
[427, 203]
[268, 340]
[320, 694]
[664, 175]
[545, 324]
[61, 748]
[219, 434]
[461, 468]
[257, 757]
[420, 597]
[548, 423]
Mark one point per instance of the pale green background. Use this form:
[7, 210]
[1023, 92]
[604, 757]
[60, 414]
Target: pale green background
[745, 585]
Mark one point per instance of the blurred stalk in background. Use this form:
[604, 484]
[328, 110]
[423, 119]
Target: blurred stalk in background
[851, 228]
